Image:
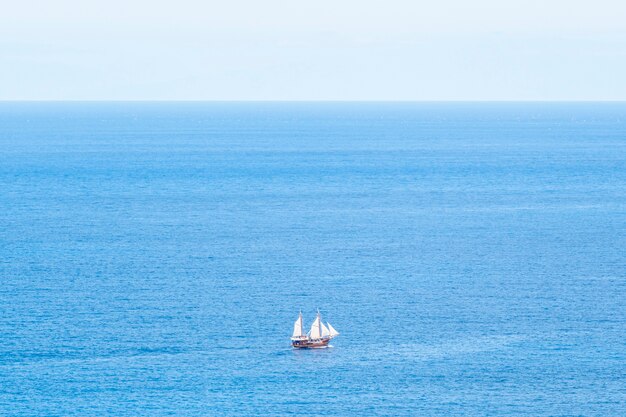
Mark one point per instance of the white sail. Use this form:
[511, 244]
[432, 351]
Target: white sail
[325, 332]
[332, 330]
[297, 327]
[315, 332]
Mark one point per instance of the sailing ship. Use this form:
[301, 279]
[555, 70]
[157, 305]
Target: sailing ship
[317, 338]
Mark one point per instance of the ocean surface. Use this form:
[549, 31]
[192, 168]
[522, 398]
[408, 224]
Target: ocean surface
[154, 256]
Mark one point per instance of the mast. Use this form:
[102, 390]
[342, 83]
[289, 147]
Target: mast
[325, 331]
[301, 329]
[319, 324]
[316, 329]
[297, 327]
[332, 330]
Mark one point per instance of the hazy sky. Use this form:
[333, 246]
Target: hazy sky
[319, 50]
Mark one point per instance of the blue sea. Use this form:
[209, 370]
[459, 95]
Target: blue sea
[154, 256]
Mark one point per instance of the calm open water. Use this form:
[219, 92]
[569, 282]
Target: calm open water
[153, 258]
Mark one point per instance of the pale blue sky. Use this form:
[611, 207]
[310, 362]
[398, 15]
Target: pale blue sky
[322, 50]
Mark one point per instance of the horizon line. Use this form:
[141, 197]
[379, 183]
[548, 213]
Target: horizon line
[301, 101]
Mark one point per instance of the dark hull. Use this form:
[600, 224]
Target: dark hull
[310, 344]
